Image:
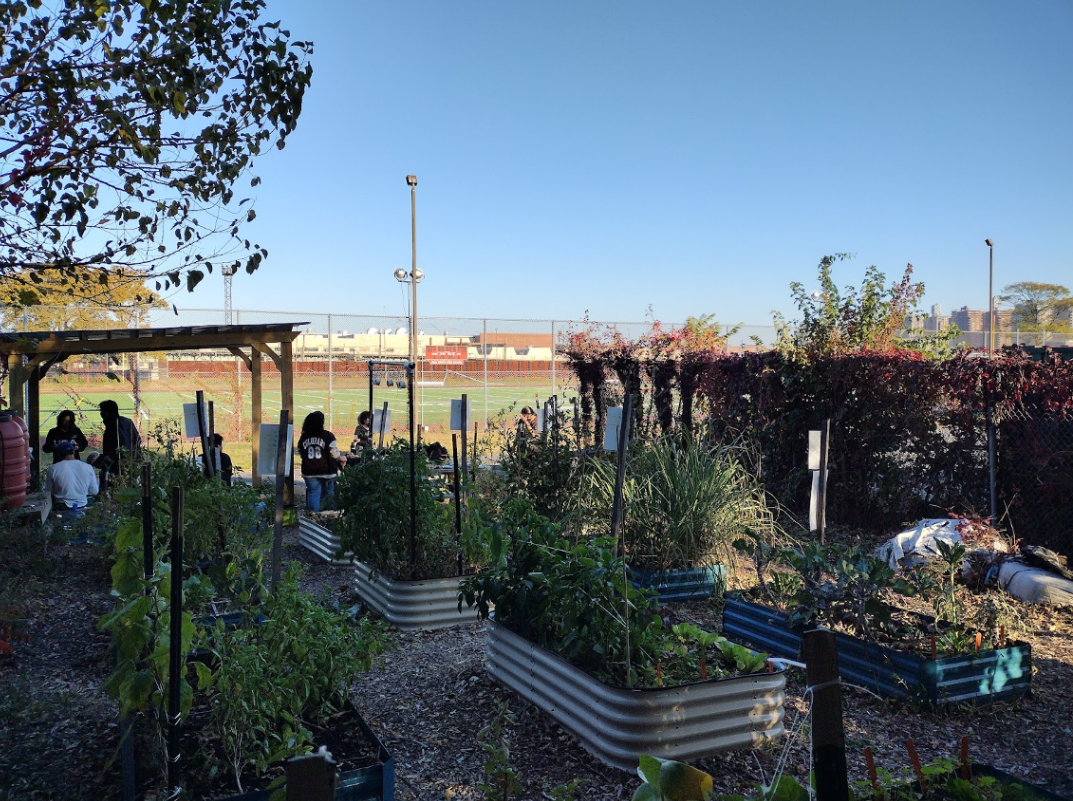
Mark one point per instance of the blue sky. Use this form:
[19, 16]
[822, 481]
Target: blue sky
[692, 156]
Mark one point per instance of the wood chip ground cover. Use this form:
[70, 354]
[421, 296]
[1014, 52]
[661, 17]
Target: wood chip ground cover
[429, 697]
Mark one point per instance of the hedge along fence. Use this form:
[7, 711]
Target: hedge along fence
[908, 435]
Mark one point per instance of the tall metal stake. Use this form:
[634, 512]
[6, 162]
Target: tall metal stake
[283, 445]
[176, 657]
[821, 501]
[616, 518]
[147, 520]
[465, 431]
[458, 500]
[413, 473]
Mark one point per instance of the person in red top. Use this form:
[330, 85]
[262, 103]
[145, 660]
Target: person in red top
[321, 460]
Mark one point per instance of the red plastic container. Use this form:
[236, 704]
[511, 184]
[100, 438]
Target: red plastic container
[14, 460]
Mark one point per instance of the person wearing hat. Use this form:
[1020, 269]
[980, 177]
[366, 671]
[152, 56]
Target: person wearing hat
[70, 481]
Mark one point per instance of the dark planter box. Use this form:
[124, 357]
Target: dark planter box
[372, 783]
[982, 678]
[1032, 791]
[681, 584]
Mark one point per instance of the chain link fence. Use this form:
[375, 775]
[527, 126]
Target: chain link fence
[1034, 477]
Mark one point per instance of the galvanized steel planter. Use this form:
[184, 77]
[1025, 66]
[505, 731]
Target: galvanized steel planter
[681, 584]
[321, 541]
[371, 783]
[616, 725]
[412, 605]
[983, 678]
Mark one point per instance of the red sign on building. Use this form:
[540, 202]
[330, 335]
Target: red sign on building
[446, 354]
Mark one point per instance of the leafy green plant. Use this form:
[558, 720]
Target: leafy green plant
[273, 679]
[140, 626]
[500, 781]
[375, 525]
[684, 502]
[543, 468]
[573, 599]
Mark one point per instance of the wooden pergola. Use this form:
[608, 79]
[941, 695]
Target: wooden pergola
[29, 355]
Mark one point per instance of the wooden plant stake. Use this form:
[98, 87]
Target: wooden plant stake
[203, 430]
[659, 674]
[828, 735]
[703, 669]
[872, 775]
[1001, 636]
[283, 445]
[979, 640]
[915, 760]
[965, 758]
[383, 424]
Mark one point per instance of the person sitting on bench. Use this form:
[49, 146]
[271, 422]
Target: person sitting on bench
[70, 481]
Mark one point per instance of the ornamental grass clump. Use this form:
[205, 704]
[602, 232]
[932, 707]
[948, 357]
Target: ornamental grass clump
[684, 502]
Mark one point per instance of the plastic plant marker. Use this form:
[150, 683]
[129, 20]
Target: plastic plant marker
[872, 776]
[979, 639]
[915, 760]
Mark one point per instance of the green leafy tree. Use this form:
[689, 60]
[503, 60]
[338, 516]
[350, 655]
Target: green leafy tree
[58, 300]
[126, 125]
[1039, 307]
[835, 321]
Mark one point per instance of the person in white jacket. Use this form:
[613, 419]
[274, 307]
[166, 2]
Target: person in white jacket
[70, 481]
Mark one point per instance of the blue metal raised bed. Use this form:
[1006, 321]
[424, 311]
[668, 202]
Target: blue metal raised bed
[682, 584]
[982, 678]
[371, 783]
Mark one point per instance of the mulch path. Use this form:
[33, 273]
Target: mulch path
[429, 696]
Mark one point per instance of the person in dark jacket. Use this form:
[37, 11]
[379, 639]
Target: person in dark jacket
[121, 439]
[65, 431]
[321, 460]
[227, 467]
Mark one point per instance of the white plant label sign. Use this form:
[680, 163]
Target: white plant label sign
[456, 413]
[614, 423]
[813, 450]
[190, 426]
[379, 414]
[266, 458]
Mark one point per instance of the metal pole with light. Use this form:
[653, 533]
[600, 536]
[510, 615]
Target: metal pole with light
[990, 412]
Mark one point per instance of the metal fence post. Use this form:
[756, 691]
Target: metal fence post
[331, 407]
[484, 342]
[553, 392]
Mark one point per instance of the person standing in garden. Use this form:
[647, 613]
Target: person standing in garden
[363, 432]
[321, 460]
[65, 431]
[121, 438]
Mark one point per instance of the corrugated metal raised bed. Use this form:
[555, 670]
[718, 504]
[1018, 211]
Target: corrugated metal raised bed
[616, 724]
[681, 584]
[321, 541]
[988, 676]
[371, 783]
[412, 605]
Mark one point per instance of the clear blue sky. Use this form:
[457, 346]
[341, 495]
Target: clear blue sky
[695, 156]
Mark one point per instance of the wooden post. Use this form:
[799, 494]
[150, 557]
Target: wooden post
[311, 778]
[821, 501]
[33, 424]
[282, 449]
[828, 737]
[176, 657]
[203, 430]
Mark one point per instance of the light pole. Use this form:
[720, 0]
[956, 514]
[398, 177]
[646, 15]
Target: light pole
[991, 293]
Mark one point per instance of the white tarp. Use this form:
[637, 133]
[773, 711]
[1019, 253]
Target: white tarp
[911, 547]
